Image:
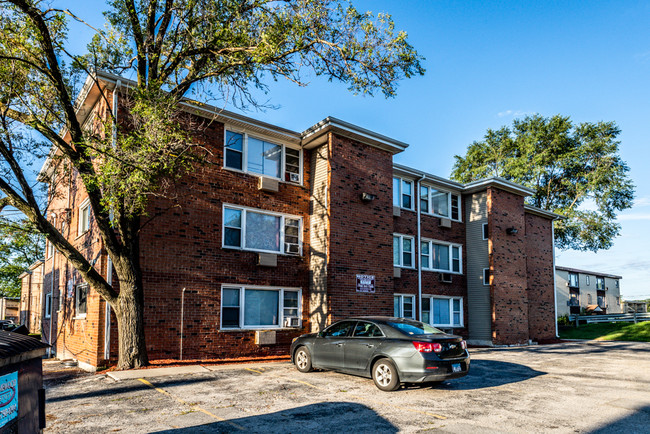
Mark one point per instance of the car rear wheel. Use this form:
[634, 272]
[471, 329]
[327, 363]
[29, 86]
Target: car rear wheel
[385, 376]
[302, 359]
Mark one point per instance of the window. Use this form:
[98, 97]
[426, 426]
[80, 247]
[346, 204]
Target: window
[402, 193]
[339, 330]
[442, 311]
[600, 283]
[367, 330]
[403, 251]
[424, 199]
[254, 155]
[259, 307]
[486, 276]
[261, 231]
[587, 280]
[441, 256]
[616, 283]
[48, 305]
[403, 306]
[84, 218]
[80, 300]
[486, 231]
[573, 280]
[441, 203]
[50, 246]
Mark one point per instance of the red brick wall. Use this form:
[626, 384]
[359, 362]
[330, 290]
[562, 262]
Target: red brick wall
[541, 283]
[182, 248]
[361, 240]
[508, 265]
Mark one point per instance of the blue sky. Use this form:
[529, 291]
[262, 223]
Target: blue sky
[487, 64]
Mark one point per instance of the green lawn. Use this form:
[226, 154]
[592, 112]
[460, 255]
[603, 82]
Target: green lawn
[619, 331]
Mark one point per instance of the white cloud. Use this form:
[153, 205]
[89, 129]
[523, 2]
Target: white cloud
[629, 217]
[642, 201]
[511, 113]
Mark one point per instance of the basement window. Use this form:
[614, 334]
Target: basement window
[260, 307]
[404, 306]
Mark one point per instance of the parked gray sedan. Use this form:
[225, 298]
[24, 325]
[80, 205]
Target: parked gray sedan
[390, 350]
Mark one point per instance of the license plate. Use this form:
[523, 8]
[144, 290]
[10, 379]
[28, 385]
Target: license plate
[456, 367]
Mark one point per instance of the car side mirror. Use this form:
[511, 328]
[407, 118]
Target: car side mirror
[320, 334]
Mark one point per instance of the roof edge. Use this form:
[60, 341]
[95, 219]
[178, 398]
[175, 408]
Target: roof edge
[500, 183]
[542, 212]
[593, 273]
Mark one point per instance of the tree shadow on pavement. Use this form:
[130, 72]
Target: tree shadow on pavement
[637, 422]
[325, 417]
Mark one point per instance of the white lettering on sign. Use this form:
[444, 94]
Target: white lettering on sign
[365, 283]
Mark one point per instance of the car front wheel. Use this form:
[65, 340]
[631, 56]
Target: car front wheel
[385, 376]
[302, 360]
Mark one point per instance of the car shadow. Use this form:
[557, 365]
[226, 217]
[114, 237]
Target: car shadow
[484, 374]
[325, 417]
[637, 422]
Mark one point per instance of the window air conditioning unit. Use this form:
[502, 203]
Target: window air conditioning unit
[445, 277]
[294, 177]
[445, 223]
[292, 322]
[265, 337]
[397, 272]
[268, 184]
[267, 260]
[396, 211]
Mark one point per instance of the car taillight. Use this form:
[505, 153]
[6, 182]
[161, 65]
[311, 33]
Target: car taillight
[427, 347]
[463, 344]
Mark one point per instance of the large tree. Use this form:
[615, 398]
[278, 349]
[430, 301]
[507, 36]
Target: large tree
[174, 49]
[574, 170]
[20, 246]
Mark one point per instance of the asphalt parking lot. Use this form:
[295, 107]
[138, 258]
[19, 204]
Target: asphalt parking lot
[590, 386]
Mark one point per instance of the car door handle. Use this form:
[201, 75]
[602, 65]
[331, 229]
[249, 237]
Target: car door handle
[370, 345]
[339, 344]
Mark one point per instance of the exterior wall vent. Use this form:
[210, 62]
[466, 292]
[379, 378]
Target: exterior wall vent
[268, 184]
[397, 211]
[267, 260]
[265, 337]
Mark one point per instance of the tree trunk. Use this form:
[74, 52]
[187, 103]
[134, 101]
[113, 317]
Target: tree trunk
[130, 326]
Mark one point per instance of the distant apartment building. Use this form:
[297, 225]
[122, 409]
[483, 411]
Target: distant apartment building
[635, 306]
[582, 291]
[31, 297]
[9, 308]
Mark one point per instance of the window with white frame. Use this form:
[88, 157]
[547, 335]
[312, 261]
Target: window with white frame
[259, 307]
[404, 306]
[441, 256]
[261, 231]
[486, 231]
[587, 280]
[442, 311]
[574, 280]
[48, 305]
[84, 218]
[600, 283]
[486, 276]
[402, 251]
[81, 300]
[254, 155]
[50, 246]
[440, 203]
[402, 193]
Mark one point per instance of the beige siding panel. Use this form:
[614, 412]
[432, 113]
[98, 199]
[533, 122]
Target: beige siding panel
[319, 233]
[479, 308]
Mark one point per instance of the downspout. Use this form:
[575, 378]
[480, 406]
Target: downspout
[109, 265]
[419, 245]
[49, 336]
[182, 318]
[557, 335]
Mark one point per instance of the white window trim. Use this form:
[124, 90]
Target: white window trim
[267, 139]
[451, 256]
[48, 312]
[243, 229]
[401, 304]
[451, 311]
[488, 274]
[80, 315]
[242, 301]
[401, 246]
[484, 230]
[399, 193]
[49, 251]
[85, 204]
[450, 193]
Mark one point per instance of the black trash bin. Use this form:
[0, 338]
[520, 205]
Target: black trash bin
[22, 398]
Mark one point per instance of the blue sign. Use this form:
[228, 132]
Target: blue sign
[8, 398]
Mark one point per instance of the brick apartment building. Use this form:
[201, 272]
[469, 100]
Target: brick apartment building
[31, 297]
[281, 232]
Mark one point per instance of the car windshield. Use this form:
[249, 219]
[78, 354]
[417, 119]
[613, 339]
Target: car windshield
[411, 328]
